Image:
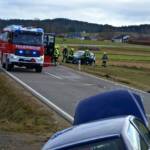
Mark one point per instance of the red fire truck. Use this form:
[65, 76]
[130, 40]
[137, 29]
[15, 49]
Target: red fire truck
[22, 46]
[49, 45]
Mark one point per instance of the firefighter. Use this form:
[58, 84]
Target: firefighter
[104, 59]
[56, 55]
[87, 56]
[71, 53]
[65, 54]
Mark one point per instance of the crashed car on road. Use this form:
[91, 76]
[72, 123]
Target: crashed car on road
[80, 55]
[113, 120]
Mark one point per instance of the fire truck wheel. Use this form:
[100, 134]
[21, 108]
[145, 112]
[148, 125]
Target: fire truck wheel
[3, 65]
[2, 62]
[9, 67]
[38, 69]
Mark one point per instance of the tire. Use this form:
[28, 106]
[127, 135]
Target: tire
[92, 63]
[38, 69]
[8, 66]
[4, 65]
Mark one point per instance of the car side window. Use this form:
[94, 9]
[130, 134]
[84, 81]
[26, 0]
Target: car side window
[4, 36]
[144, 146]
[143, 130]
[111, 144]
[136, 140]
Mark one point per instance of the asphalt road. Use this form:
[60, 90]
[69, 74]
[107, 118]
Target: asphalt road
[66, 87]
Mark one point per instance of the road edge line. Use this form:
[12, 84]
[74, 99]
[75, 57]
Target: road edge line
[43, 99]
[106, 80]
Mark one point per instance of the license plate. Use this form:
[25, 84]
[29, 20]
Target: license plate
[24, 60]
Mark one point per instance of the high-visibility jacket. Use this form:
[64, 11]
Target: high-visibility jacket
[105, 57]
[71, 52]
[56, 52]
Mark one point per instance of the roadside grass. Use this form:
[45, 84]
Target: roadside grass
[131, 76]
[78, 41]
[124, 52]
[124, 57]
[21, 112]
[129, 49]
[131, 64]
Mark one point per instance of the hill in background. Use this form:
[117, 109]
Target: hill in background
[61, 26]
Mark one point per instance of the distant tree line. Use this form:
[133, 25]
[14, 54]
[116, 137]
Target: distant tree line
[61, 25]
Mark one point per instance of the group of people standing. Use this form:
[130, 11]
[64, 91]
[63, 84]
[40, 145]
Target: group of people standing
[66, 53]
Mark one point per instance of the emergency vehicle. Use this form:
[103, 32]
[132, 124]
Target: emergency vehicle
[49, 45]
[22, 46]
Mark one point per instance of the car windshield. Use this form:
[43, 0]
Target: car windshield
[91, 54]
[114, 144]
[78, 53]
[28, 38]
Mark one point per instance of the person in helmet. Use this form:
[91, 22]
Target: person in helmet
[104, 59]
[87, 56]
[65, 54]
[71, 53]
[56, 55]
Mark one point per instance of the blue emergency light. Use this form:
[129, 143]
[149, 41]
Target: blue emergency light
[17, 28]
[20, 51]
[34, 52]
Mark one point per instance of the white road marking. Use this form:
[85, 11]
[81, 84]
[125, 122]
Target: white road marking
[87, 84]
[57, 77]
[43, 99]
[47, 101]
[109, 81]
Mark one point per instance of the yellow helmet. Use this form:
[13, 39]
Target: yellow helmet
[57, 46]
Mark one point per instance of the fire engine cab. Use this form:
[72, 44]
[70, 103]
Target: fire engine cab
[22, 46]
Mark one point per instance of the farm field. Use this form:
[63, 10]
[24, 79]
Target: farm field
[100, 44]
[128, 64]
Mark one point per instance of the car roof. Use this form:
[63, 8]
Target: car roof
[80, 51]
[110, 127]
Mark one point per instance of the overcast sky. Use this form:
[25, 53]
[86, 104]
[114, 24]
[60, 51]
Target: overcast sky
[113, 12]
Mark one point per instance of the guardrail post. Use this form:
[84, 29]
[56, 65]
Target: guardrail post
[79, 65]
